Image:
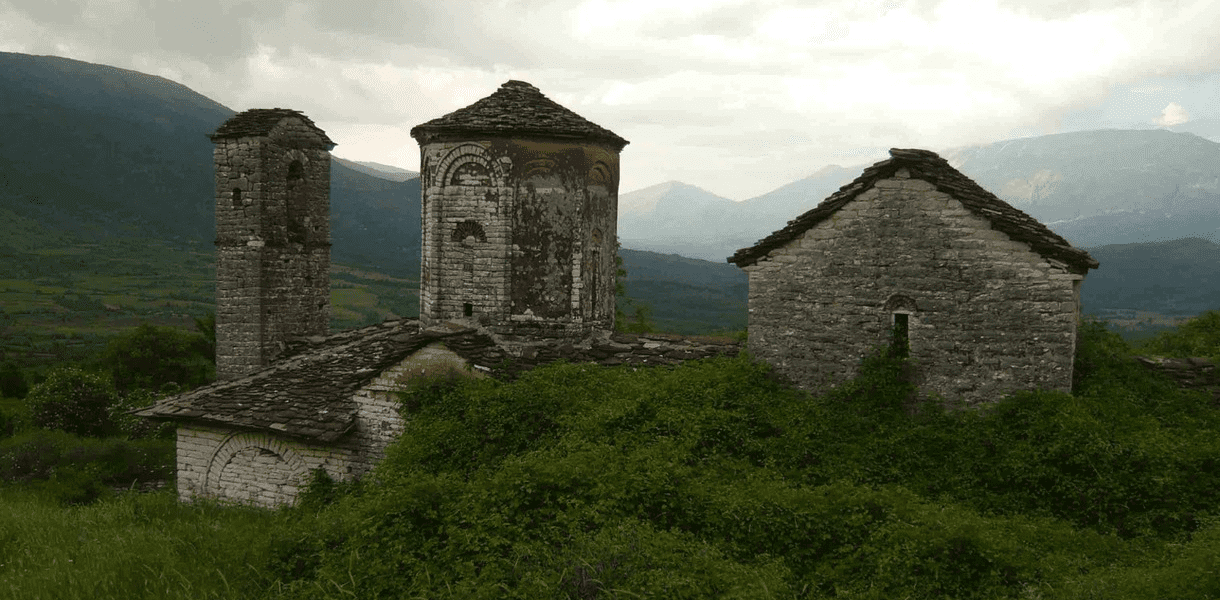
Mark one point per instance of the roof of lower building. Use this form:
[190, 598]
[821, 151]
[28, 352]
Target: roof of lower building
[930, 167]
[309, 392]
[259, 122]
[517, 108]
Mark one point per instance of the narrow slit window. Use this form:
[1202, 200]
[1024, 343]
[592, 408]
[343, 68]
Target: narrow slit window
[468, 309]
[900, 346]
[236, 197]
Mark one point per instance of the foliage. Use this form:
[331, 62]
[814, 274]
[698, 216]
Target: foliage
[714, 480]
[131, 546]
[151, 357]
[74, 400]
[77, 470]
[1198, 337]
[641, 313]
[12, 381]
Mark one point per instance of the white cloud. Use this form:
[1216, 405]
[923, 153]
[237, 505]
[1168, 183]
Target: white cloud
[1173, 114]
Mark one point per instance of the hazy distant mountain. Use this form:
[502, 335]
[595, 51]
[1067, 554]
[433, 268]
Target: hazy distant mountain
[91, 152]
[1178, 277]
[676, 218]
[378, 170]
[1093, 187]
[1105, 187]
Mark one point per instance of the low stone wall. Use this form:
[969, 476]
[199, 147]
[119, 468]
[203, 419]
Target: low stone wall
[1189, 373]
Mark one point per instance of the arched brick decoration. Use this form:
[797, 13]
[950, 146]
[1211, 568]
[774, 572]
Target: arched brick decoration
[254, 468]
[467, 229]
[456, 158]
[601, 174]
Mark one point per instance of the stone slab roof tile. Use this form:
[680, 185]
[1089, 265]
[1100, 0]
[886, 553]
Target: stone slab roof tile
[258, 122]
[927, 165]
[517, 108]
[306, 394]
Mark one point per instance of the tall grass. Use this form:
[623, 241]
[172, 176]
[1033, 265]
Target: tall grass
[131, 546]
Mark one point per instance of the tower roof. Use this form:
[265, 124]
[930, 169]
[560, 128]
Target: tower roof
[517, 108]
[930, 167]
[259, 122]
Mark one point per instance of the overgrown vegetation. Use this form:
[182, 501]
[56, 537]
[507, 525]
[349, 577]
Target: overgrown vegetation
[707, 480]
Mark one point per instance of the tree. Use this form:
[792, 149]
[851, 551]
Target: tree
[641, 321]
[74, 400]
[12, 381]
[151, 357]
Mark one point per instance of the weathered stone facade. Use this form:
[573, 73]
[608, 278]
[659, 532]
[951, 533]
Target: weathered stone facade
[332, 402]
[272, 236]
[268, 467]
[520, 204]
[987, 297]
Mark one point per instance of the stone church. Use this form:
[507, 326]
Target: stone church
[914, 256]
[519, 215]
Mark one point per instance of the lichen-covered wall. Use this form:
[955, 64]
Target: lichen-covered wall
[264, 469]
[519, 234]
[986, 315]
[272, 244]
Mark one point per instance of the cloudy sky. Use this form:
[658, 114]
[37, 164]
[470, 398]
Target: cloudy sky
[736, 97]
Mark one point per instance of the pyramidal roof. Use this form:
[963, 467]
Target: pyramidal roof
[517, 108]
[930, 167]
[259, 122]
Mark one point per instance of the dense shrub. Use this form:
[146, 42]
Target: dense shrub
[74, 400]
[12, 381]
[77, 470]
[149, 357]
[714, 480]
[1198, 337]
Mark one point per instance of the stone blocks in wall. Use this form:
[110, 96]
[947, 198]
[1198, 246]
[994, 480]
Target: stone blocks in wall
[519, 234]
[273, 243]
[991, 316]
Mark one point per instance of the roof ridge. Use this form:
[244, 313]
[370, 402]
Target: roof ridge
[516, 108]
[933, 168]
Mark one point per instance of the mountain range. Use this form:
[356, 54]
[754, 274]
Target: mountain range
[96, 153]
[1092, 187]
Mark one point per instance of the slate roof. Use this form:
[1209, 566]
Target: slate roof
[517, 108]
[306, 394]
[259, 122]
[930, 167]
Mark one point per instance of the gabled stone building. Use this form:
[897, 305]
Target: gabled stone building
[913, 254]
[519, 212]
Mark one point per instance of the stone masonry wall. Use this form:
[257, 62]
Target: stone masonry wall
[987, 315]
[519, 234]
[264, 469]
[272, 244]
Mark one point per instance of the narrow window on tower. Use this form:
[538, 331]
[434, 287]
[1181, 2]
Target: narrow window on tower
[593, 281]
[468, 309]
[900, 346]
[236, 197]
[296, 202]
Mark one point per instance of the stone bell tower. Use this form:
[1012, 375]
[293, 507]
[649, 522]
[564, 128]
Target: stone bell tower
[519, 216]
[272, 236]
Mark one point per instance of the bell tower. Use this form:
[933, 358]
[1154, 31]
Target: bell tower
[272, 236]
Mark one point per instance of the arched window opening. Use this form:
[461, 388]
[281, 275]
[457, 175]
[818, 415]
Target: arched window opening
[900, 343]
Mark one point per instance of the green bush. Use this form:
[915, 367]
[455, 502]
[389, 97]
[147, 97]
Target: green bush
[76, 401]
[149, 357]
[12, 381]
[1198, 337]
[76, 470]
